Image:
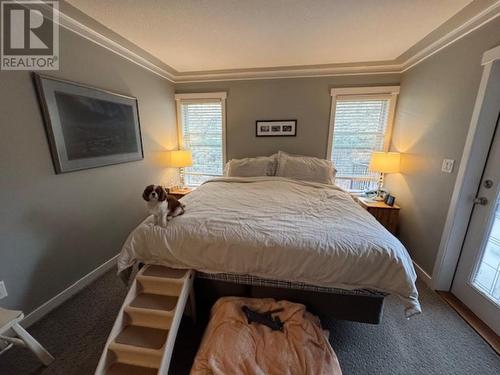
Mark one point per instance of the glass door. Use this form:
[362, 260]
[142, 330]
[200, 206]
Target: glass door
[487, 274]
[477, 279]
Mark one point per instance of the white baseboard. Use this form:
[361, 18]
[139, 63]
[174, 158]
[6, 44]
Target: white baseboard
[422, 275]
[67, 293]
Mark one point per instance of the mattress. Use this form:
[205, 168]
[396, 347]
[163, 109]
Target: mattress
[278, 229]
[284, 284]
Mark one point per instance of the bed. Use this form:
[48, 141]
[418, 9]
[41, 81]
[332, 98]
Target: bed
[274, 234]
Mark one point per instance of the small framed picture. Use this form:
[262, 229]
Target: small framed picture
[276, 128]
[389, 200]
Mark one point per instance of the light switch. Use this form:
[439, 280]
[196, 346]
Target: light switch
[3, 290]
[447, 166]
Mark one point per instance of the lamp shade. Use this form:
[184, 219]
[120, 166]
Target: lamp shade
[385, 162]
[179, 158]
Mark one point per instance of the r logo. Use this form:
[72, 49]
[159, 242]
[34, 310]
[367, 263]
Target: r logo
[18, 29]
[30, 35]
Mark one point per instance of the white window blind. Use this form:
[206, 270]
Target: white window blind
[361, 126]
[202, 133]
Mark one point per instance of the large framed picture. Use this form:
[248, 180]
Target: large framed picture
[88, 127]
[276, 128]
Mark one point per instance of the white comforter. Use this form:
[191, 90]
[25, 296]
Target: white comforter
[280, 229]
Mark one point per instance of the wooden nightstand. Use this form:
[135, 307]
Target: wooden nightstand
[387, 215]
[179, 193]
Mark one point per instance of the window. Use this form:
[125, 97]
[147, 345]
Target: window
[360, 123]
[201, 124]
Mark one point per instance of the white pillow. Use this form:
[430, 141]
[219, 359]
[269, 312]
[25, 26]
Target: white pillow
[305, 168]
[251, 167]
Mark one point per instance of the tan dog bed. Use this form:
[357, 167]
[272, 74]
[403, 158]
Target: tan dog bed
[232, 346]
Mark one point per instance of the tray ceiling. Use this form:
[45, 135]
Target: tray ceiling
[193, 37]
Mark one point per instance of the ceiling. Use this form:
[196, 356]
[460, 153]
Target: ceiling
[200, 36]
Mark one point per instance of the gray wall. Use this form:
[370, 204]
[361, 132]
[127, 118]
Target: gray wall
[306, 99]
[433, 115]
[57, 228]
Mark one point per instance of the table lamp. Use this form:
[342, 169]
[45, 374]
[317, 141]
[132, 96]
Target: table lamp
[180, 159]
[384, 162]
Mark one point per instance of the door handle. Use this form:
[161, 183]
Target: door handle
[488, 184]
[481, 200]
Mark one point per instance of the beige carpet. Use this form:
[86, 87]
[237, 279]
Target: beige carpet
[437, 342]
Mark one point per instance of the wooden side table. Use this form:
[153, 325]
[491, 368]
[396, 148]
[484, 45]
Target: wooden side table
[179, 193]
[386, 215]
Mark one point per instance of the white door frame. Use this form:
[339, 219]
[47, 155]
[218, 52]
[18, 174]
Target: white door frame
[472, 163]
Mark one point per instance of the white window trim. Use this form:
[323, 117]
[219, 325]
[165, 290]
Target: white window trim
[222, 95]
[359, 92]
[391, 90]
[202, 96]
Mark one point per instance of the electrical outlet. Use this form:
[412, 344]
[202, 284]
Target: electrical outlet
[447, 166]
[3, 290]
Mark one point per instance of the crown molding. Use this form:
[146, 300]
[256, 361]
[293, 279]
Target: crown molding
[325, 70]
[474, 23]
[287, 72]
[88, 33]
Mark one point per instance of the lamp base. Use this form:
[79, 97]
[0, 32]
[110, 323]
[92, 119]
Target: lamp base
[182, 184]
[380, 192]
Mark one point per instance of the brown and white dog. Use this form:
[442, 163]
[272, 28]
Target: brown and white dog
[161, 205]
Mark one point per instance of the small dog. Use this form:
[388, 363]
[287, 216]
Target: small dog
[161, 205]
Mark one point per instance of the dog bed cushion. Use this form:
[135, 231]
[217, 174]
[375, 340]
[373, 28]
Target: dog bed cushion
[231, 345]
